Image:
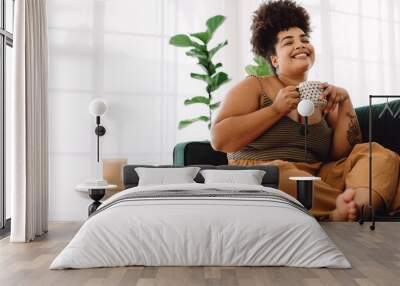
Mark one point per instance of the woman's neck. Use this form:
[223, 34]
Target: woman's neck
[292, 80]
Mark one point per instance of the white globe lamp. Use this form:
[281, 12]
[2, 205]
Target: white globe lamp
[97, 108]
[305, 108]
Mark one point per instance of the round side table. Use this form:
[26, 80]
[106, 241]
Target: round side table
[305, 188]
[96, 193]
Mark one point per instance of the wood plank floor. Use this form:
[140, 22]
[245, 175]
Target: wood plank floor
[375, 257]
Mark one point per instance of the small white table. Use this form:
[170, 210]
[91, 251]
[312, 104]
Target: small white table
[96, 193]
[305, 178]
[305, 193]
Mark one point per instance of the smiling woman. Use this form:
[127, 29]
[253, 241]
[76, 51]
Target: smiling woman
[279, 21]
[258, 122]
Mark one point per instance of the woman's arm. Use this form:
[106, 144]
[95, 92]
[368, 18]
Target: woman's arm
[241, 120]
[346, 129]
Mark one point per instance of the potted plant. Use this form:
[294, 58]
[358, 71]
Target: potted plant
[211, 76]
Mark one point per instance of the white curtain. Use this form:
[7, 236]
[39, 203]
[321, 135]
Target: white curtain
[29, 140]
[118, 50]
[357, 44]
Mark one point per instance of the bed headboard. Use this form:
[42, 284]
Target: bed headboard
[271, 177]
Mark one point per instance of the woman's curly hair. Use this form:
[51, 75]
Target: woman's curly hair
[271, 18]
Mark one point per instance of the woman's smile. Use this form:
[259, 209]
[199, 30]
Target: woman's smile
[301, 56]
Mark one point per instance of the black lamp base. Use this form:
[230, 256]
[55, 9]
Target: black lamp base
[96, 195]
[305, 193]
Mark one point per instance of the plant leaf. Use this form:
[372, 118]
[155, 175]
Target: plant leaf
[261, 61]
[202, 77]
[268, 70]
[197, 99]
[187, 122]
[213, 68]
[184, 123]
[181, 40]
[215, 105]
[217, 80]
[198, 46]
[251, 70]
[196, 53]
[213, 51]
[261, 69]
[258, 70]
[202, 36]
[205, 65]
[220, 78]
[213, 23]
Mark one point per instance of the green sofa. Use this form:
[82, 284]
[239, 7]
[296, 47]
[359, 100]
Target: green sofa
[385, 131]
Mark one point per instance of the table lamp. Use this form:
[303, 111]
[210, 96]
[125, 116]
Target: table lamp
[305, 184]
[305, 109]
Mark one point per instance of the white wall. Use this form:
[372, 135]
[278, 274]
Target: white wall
[118, 50]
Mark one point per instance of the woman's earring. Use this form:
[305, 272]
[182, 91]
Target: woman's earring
[277, 69]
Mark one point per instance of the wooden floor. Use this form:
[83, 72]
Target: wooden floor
[375, 257]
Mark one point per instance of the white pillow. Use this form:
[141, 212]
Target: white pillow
[249, 177]
[164, 176]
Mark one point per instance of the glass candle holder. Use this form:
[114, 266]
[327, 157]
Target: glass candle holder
[112, 172]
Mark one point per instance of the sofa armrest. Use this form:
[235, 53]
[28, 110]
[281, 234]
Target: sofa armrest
[198, 153]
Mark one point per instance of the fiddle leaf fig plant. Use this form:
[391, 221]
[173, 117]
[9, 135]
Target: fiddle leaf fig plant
[211, 76]
[261, 68]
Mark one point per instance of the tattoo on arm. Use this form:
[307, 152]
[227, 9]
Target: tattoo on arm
[353, 131]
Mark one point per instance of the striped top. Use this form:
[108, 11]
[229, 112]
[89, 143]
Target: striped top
[285, 140]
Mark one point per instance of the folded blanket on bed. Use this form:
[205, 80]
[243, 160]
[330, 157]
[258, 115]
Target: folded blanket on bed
[201, 224]
[206, 193]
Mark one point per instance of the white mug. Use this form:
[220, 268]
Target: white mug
[311, 90]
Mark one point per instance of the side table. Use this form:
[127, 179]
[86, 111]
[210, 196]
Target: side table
[305, 190]
[96, 193]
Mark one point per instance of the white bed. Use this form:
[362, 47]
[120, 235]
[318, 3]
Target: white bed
[183, 231]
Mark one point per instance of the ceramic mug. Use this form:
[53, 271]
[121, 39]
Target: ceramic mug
[311, 90]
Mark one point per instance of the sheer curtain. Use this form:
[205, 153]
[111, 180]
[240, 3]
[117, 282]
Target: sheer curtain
[118, 50]
[28, 121]
[357, 44]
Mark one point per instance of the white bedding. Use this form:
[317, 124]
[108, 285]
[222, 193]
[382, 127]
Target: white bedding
[200, 231]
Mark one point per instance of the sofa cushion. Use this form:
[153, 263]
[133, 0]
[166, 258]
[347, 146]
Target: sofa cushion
[385, 130]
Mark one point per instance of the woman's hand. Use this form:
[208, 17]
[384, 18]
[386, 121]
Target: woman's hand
[286, 100]
[334, 95]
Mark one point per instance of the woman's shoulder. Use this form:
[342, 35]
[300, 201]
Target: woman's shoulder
[252, 86]
[258, 83]
[253, 81]
[257, 78]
